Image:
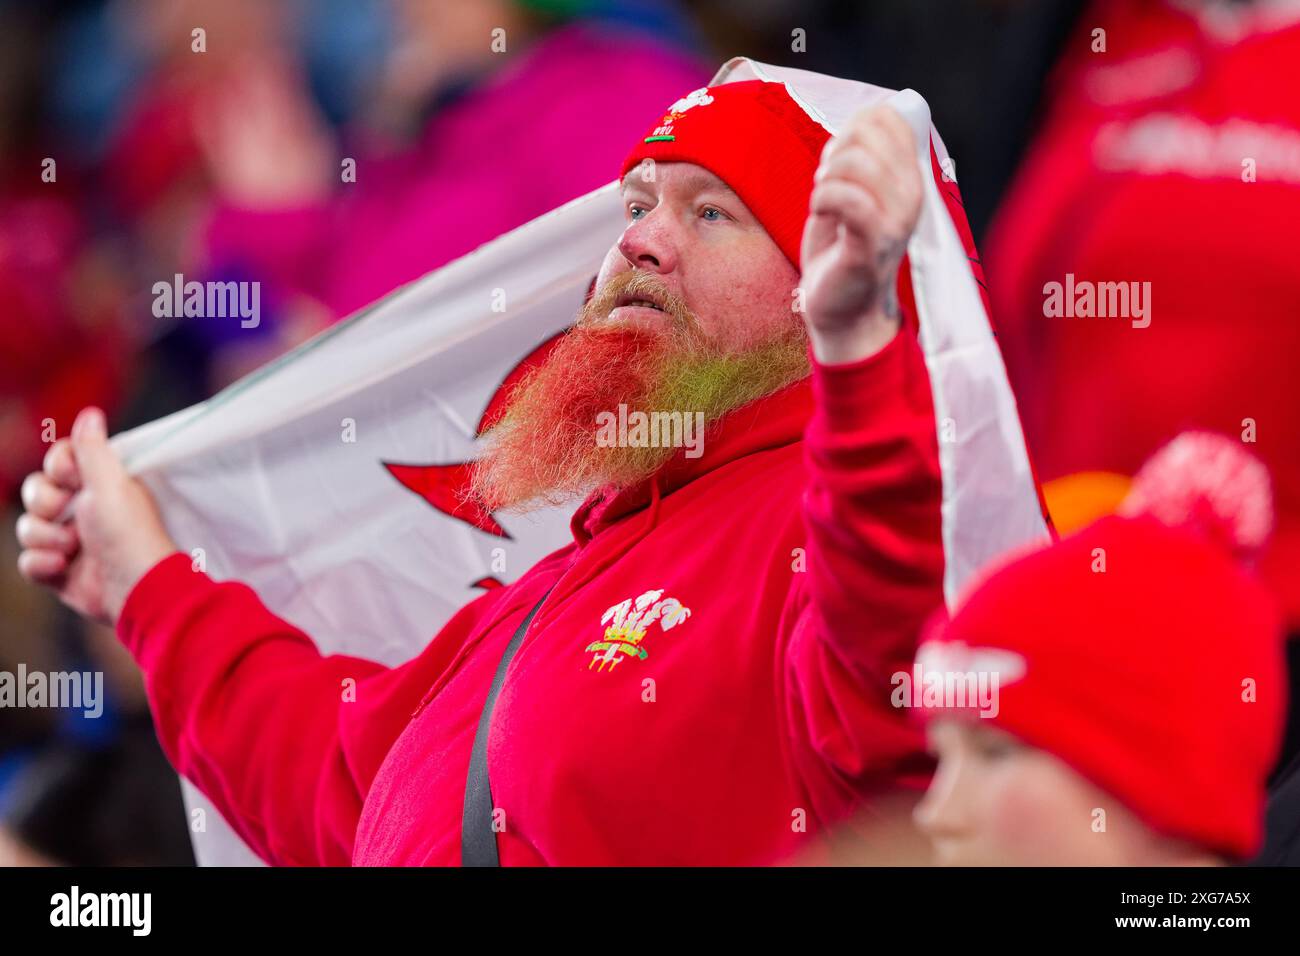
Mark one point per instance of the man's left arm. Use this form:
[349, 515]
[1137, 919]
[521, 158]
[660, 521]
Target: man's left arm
[873, 498]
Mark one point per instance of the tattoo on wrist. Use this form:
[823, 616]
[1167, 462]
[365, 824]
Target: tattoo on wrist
[890, 304]
[887, 261]
[890, 253]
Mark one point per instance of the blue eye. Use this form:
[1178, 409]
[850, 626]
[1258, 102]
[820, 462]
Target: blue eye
[633, 211]
[710, 209]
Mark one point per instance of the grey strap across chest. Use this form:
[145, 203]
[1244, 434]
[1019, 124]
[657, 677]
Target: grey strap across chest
[478, 841]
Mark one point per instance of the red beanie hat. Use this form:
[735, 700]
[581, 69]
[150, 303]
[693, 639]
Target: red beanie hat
[1141, 652]
[754, 137]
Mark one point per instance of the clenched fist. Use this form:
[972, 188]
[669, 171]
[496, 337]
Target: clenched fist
[116, 535]
[865, 202]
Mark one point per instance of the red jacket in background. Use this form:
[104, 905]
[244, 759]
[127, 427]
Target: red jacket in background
[1137, 176]
[796, 560]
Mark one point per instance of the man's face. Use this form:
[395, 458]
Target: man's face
[995, 801]
[692, 313]
[691, 233]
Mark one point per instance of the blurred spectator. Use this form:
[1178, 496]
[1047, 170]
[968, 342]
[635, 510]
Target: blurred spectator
[1127, 713]
[1168, 157]
[472, 134]
[979, 64]
[118, 804]
[61, 344]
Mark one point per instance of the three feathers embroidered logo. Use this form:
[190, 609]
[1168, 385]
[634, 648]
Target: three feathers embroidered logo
[626, 626]
[664, 131]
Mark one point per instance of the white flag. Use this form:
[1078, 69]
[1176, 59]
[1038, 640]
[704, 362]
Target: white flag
[329, 480]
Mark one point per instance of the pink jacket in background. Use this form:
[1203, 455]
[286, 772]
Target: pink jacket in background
[545, 129]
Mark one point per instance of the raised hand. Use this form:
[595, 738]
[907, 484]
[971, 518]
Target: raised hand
[865, 203]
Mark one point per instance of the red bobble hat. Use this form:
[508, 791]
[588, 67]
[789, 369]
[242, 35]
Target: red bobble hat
[1141, 651]
[754, 137]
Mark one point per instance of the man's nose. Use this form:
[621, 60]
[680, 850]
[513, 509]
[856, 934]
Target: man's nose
[649, 243]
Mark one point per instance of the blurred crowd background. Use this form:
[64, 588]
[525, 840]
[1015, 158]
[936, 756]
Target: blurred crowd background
[1123, 163]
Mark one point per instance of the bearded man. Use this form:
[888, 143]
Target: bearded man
[748, 604]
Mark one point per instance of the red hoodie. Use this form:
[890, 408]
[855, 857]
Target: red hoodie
[797, 559]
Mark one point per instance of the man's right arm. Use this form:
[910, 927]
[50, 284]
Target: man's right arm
[282, 739]
[248, 709]
[244, 704]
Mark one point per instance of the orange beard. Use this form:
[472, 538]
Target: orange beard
[544, 450]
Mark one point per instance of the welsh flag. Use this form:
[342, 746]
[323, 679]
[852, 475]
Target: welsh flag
[331, 480]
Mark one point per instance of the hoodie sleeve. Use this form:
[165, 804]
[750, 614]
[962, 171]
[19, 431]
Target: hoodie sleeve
[284, 741]
[875, 566]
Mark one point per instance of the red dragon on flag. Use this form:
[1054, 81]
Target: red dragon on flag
[447, 487]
